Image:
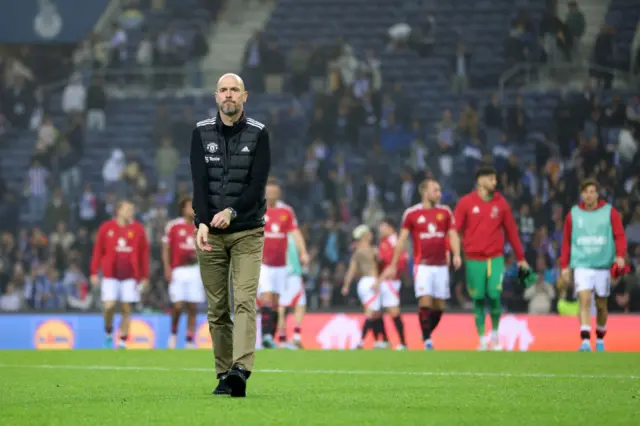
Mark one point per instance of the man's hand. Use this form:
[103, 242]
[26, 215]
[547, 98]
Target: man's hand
[523, 264]
[202, 238]
[345, 290]
[620, 262]
[94, 280]
[167, 274]
[304, 258]
[447, 256]
[376, 285]
[457, 262]
[389, 272]
[143, 285]
[566, 276]
[222, 219]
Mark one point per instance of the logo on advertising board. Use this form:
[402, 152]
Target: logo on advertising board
[341, 332]
[141, 335]
[203, 337]
[53, 334]
[514, 332]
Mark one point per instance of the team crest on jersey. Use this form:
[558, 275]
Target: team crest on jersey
[212, 147]
[130, 235]
[283, 217]
[183, 232]
[439, 217]
[110, 233]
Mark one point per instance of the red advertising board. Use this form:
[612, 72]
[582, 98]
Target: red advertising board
[457, 332]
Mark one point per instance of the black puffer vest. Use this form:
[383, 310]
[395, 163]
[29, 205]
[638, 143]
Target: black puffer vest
[228, 166]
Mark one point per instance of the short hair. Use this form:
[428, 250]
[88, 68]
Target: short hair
[183, 202]
[273, 181]
[425, 183]
[485, 170]
[589, 182]
[389, 221]
[121, 203]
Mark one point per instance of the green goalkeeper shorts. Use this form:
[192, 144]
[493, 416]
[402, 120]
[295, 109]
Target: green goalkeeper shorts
[484, 278]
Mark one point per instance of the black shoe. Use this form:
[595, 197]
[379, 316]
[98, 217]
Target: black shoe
[237, 381]
[222, 388]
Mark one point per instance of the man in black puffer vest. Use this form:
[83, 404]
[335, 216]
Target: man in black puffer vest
[230, 162]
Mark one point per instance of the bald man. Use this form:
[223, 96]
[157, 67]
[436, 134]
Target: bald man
[230, 162]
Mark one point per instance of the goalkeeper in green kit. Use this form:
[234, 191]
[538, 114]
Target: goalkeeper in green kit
[483, 218]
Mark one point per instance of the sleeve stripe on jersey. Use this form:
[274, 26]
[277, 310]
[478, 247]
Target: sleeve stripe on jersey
[410, 210]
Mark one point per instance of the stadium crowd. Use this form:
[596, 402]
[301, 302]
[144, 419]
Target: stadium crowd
[362, 123]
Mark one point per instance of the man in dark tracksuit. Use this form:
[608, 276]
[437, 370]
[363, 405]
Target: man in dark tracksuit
[230, 162]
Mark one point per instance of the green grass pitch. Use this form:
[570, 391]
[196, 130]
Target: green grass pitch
[321, 388]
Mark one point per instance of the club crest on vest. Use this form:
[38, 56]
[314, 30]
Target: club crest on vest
[212, 147]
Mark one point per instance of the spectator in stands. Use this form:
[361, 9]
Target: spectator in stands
[76, 287]
[575, 22]
[167, 161]
[422, 36]
[633, 228]
[9, 212]
[10, 301]
[493, 119]
[56, 211]
[398, 35]
[171, 45]
[373, 65]
[96, 104]
[634, 51]
[461, 67]
[566, 126]
[446, 133]
[162, 126]
[36, 190]
[253, 62]
[48, 137]
[274, 66]
[74, 97]
[540, 295]
[131, 17]
[181, 127]
[299, 59]
[18, 101]
[604, 58]
[68, 167]
[517, 121]
[347, 65]
[118, 47]
[113, 169]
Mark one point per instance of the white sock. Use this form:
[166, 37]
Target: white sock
[494, 335]
[484, 340]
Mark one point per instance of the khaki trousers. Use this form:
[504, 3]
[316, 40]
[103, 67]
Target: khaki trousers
[234, 341]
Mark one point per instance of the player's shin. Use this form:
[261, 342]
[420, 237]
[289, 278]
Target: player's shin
[109, 311]
[281, 325]
[584, 298]
[398, 324]
[266, 315]
[424, 316]
[478, 313]
[176, 311]
[124, 324]
[602, 312]
[495, 306]
[297, 329]
[192, 311]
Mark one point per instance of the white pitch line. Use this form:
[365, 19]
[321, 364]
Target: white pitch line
[336, 372]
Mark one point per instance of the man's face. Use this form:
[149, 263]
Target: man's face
[230, 95]
[432, 192]
[188, 209]
[384, 230]
[272, 193]
[488, 182]
[589, 195]
[126, 212]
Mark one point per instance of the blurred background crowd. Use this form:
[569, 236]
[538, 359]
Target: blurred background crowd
[364, 99]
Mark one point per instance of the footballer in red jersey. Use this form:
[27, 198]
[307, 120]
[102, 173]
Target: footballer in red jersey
[181, 271]
[429, 225]
[390, 288]
[121, 254]
[279, 221]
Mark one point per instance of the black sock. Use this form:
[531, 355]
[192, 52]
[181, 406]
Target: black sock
[399, 328]
[375, 326]
[424, 316]
[108, 329]
[366, 327]
[600, 333]
[267, 318]
[274, 325]
[123, 338]
[383, 330]
[585, 334]
[436, 315]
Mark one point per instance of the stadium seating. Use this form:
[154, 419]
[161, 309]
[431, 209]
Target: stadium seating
[624, 15]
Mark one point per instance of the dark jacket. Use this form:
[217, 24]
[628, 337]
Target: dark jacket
[230, 167]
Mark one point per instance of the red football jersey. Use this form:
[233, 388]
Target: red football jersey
[121, 252]
[279, 221]
[179, 236]
[385, 253]
[429, 229]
